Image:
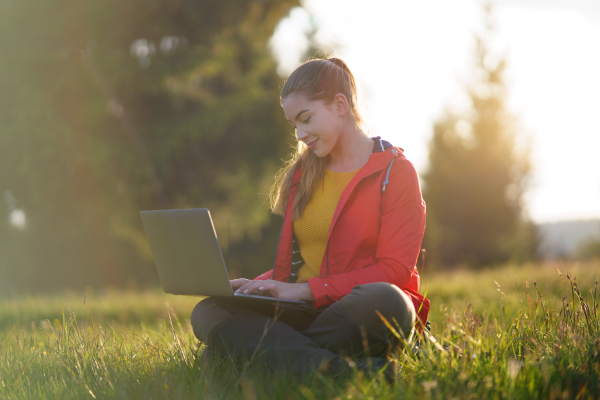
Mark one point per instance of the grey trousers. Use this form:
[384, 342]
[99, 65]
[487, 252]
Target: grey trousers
[300, 338]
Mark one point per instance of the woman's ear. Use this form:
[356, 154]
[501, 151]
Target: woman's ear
[340, 102]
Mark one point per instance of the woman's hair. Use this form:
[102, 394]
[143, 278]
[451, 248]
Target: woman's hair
[317, 80]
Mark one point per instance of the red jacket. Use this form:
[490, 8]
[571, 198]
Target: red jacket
[375, 234]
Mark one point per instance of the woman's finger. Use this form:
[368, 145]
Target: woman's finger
[271, 288]
[253, 288]
[242, 287]
[261, 287]
[249, 287]
[236, 283]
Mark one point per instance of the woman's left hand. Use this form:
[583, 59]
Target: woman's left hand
[282, 290]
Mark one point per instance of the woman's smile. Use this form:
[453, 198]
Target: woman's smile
[313, 144]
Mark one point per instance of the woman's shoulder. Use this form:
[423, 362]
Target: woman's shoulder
[402, 171]
[401, 162]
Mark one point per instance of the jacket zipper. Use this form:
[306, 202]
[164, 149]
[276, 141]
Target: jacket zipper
[328, 256]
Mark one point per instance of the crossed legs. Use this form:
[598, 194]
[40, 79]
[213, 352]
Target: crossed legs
[301, 338]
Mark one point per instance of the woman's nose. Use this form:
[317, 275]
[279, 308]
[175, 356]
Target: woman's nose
[300, 135]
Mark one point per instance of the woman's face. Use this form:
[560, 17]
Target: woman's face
[317, 124]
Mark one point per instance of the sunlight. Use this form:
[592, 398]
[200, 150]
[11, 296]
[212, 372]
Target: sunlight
[555, 83]
[289, 40]
[413, 63]
[18, 219]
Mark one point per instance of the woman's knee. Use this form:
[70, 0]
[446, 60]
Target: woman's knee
[205, 316]
[389, 300]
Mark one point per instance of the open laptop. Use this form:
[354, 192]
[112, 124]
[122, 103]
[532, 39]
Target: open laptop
[188, 256]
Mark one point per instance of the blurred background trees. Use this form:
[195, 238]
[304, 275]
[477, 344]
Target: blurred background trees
[478, 173]
[108, 108]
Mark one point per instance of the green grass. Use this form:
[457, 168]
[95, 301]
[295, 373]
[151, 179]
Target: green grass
[505, 340]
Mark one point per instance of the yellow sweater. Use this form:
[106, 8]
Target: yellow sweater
[311, 230]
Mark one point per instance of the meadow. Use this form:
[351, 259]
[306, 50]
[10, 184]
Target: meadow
[514, 331]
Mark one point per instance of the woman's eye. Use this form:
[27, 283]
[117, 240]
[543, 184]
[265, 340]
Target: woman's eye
[306, 120]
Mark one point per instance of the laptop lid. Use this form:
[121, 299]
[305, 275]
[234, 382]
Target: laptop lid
[186, 252]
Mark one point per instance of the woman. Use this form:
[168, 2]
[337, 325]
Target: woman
[353, 224]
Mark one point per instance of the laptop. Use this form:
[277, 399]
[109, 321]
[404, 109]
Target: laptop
[187, 254]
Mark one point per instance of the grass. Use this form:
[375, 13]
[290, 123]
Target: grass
[510, 332]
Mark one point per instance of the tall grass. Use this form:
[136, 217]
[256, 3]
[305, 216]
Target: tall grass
[516, 338]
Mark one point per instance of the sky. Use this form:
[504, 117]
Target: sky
[413, 59]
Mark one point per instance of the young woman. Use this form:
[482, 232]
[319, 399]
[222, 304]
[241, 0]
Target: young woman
[353, 224]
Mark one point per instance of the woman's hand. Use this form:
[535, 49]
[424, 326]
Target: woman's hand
[236, 283]
[282, 290]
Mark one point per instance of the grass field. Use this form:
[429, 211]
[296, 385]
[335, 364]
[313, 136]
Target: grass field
[524, 331]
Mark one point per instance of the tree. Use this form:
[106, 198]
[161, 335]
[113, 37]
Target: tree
[108, 108]
[477, 174]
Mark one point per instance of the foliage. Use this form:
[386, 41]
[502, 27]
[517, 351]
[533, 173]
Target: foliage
[539, 342]
[477, 174]
[108, 108]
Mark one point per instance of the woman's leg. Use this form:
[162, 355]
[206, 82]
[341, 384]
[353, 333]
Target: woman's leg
[302, 338]
[352, 327]
[238, 328]
[205, 316]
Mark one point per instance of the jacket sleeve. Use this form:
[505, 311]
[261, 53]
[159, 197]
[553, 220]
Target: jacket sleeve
[265, 276]
[401, 232]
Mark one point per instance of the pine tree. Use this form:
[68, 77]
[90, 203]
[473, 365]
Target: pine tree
[477, 174]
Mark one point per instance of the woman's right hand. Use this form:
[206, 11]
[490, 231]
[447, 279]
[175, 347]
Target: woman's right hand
[238, 283]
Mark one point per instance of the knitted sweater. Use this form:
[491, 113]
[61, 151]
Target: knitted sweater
[312, 228]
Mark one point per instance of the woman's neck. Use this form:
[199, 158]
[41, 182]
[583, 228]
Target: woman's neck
[352, 150]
